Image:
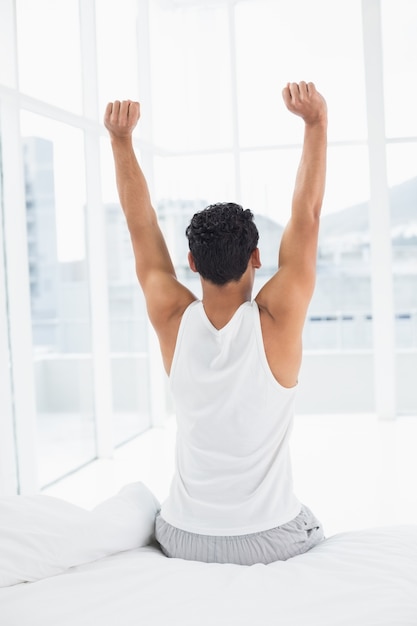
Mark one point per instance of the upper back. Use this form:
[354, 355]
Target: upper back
[223, 371]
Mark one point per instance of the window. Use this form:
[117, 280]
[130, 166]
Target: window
[129, 350]
[49, 56]
[399, 21]
[277, 42]
[400, 50]
[8, 468]
[191, 76]
[117, 61]
[54, 172]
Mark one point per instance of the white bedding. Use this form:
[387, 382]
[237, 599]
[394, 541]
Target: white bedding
[360, 578]
[41, 536]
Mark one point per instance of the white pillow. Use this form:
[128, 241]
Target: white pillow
[42, 536]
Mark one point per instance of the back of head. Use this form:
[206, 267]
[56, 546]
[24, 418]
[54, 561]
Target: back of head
[222, 238]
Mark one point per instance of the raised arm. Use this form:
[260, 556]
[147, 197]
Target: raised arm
[284, 299]
[298, 249]
[151, 253]
[299, 243]
[166, 298]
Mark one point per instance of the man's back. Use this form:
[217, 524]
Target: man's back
[233, 473]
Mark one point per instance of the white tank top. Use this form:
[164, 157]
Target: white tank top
[232, 469]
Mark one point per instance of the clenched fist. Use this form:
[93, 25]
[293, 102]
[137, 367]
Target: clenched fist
[120, 118]
[304, 100]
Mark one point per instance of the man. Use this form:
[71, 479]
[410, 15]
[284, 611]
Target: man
[233, 362]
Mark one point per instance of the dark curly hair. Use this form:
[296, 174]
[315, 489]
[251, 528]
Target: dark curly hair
[221, 239]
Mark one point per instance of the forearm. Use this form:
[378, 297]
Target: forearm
[132, 186]
[311, 175]
[151, 252]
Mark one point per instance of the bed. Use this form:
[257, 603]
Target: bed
[61, 565]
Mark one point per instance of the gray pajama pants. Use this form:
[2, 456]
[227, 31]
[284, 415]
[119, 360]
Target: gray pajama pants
[277, 544]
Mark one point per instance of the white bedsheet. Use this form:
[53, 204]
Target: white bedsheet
[360, 578]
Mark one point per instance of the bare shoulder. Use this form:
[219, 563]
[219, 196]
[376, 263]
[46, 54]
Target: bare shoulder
[286, 296]
[283, 303]
[283, 347]
[166, 301]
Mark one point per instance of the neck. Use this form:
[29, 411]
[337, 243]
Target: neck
[221, 301]
[227, 295]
